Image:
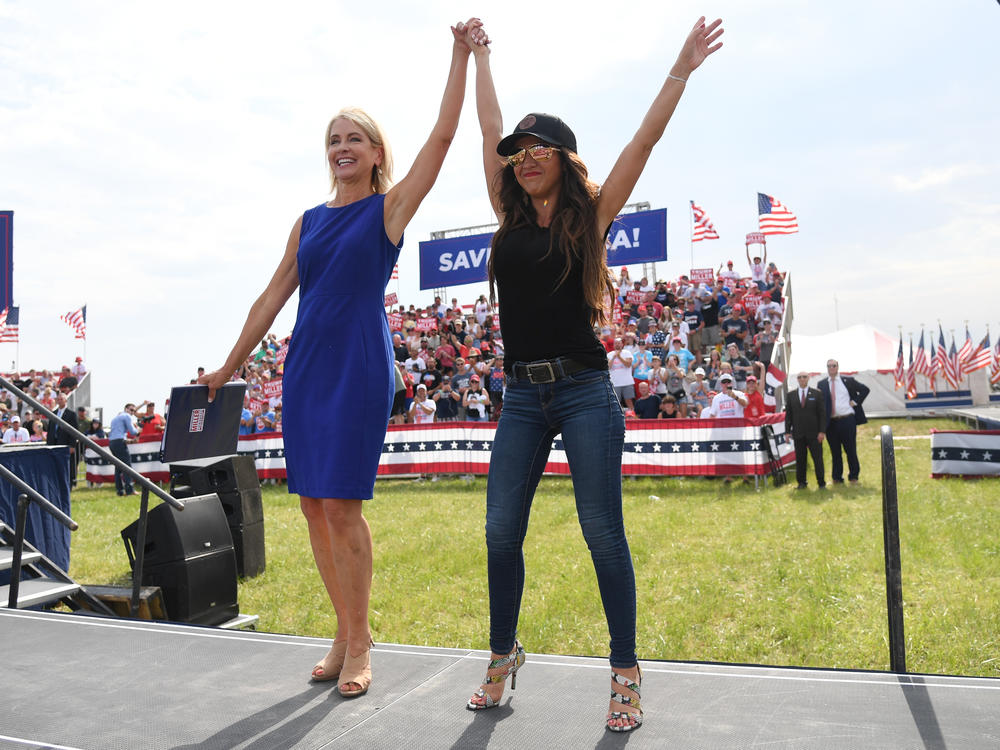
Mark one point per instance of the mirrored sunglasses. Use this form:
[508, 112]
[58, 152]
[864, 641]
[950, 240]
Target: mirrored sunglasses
[539, 152]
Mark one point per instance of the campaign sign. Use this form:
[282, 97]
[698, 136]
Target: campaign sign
[634, 296]
[639, 237]
[390, 299]
[272, 388]
[454, 261]
[702, 276]
[395, 321]
[756, 238]
[751, 302]
[426, 324]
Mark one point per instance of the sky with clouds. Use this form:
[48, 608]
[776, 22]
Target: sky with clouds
[156, 156]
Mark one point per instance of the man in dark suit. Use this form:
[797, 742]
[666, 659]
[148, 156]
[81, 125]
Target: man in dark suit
[59, 435]
[805, 421]
[843, 397]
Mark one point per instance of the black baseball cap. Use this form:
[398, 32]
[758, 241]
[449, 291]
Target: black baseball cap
[547, 127]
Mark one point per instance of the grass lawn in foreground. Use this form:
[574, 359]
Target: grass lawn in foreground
[724, 572]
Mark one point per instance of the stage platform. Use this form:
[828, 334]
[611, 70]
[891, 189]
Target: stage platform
[71, 681]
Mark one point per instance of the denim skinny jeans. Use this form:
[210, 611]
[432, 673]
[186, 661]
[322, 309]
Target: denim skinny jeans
[584, 408]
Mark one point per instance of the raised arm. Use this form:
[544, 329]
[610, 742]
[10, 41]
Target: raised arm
[403, 199]
[490, 121]
[700, 43]
[262, 313]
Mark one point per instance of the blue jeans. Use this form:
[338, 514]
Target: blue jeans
[584, 408]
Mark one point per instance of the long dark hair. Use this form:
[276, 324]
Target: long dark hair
[574, 222]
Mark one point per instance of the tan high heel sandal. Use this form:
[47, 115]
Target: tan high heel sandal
[328, 668]
[356, 670]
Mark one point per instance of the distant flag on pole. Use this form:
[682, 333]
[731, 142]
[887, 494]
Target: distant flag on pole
[774, 217]
[995, 368]
[899, 373]
[9, 325]
[941, 359]
[980, 357]
[922, 366]
[911, 375]
[774, 378]
[395, 272]
[77, 320]
[703, 228]
[965, 352]
[952, 370]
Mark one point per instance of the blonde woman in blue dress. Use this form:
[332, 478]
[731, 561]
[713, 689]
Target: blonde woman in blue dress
[340, 255]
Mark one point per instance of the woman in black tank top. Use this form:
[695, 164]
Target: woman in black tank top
[548, 263]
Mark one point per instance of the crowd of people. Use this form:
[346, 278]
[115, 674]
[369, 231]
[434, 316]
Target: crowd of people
[676, 349]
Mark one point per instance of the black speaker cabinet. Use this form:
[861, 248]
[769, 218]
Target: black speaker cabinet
[189, 555]
[228, 474]
[248, 543]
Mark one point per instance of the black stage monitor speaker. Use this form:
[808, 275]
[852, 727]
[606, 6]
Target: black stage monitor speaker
[234, 480]
[189, 555]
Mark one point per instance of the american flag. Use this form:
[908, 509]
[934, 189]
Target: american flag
[933, 365]
[995, 369]
[922, 366]
[952, 368]
[911, 375]
[899, 373]
[980, 356]
[703, 228]
[942, 361]
[395, 273]
[77, 320]
[8, 325]
[774, 217]
[965, 352]
[774, 378]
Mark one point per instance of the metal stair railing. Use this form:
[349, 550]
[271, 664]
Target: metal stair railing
[147, 485]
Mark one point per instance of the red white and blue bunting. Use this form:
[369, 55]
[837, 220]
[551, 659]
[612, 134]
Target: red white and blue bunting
[965, 453]
[682, 447]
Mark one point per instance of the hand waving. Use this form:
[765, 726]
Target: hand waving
[700, 43]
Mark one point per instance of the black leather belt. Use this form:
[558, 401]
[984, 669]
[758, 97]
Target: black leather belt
[546, 370]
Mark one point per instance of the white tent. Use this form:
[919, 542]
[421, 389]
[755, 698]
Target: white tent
[858, 348]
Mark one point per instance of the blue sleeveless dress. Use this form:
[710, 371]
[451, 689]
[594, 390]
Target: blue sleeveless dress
[338, 382]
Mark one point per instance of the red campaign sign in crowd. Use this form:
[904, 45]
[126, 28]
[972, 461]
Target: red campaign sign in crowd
[427, 324]
[395, 321]
[751, 302]
[702, 276]
[391, 299]
[272, 388]
[634, 296]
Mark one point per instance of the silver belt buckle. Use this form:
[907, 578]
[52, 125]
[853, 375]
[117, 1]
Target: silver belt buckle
[540, 373]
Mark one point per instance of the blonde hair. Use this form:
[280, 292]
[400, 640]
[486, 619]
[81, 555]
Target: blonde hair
[381, 179]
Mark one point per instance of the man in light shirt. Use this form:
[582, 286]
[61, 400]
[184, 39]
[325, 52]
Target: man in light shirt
[843, 397]
[729, 402]
[15, 433]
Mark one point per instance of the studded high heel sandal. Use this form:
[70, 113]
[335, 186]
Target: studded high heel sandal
[634, 718]
[509, 664]
[357, 670]
[328, 668]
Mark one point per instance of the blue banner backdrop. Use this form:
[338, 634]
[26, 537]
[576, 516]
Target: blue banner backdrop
[6, 259]
[639, 237]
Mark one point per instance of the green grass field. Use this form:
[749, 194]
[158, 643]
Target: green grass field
[724, 572]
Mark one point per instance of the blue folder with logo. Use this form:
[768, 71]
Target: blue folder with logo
[198, 429]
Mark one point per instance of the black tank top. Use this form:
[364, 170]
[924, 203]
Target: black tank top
[537, 319]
